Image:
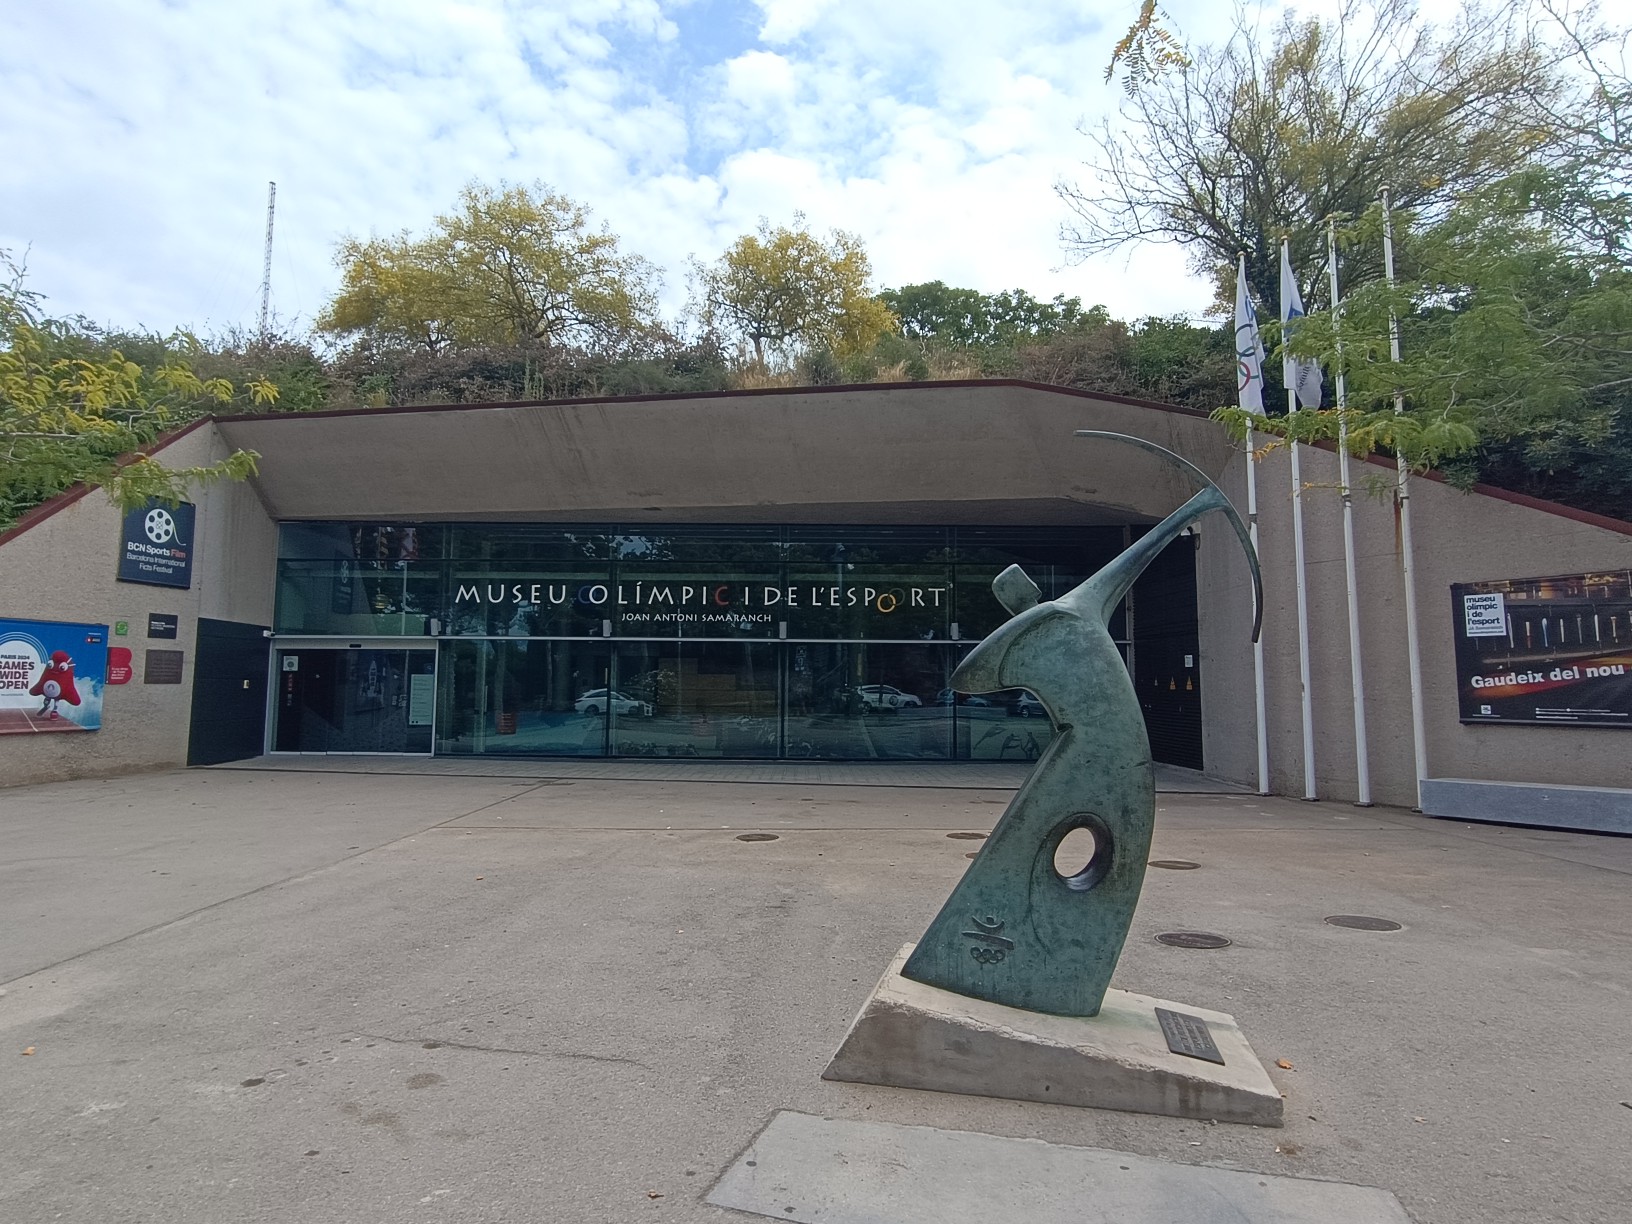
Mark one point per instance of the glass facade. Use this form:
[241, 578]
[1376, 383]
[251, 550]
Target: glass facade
[672, 641]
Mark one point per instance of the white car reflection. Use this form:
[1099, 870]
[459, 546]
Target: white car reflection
[885, 697]
[597, 700]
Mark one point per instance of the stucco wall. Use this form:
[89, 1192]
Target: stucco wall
[1459, 537]
[64, 567]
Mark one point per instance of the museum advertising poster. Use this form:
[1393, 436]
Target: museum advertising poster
[51, 676]
[1545, 650]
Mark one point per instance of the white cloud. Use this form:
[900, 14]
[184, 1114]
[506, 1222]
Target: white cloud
[140, 137]
[786, 20]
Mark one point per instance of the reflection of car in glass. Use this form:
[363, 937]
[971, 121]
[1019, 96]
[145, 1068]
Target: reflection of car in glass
[885, 697]
[596, 700]
[948, 697]
[1028, 706]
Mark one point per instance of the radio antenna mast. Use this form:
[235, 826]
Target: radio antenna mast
[266, 263]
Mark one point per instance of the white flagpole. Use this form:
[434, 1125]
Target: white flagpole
[1251, 359]
[1258, 646]
[1402, 493]
[1362, 761]
[1302, 576]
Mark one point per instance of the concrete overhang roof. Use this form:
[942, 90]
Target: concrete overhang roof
[947, 453]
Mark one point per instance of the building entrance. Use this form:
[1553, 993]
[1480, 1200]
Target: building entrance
[746, 641]
[355, 700]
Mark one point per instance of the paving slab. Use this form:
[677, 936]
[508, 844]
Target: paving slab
[837, 1171]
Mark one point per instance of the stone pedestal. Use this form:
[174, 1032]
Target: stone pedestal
[909, 1035]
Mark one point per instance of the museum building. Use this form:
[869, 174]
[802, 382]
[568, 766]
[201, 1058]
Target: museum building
[773, 575]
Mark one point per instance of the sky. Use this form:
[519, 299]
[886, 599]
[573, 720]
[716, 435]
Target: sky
[140, 137]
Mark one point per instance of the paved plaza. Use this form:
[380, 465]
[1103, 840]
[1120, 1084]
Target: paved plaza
[317, 995]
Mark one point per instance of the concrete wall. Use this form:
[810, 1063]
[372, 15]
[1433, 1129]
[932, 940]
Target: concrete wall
[1459, 537]
[63, 568]
[943, 454]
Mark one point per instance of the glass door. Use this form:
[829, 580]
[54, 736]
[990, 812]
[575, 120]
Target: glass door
[355, 700]
[526, 697]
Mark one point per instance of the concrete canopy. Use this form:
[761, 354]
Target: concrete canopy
[939, 453]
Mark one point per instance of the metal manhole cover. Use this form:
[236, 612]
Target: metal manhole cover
[1359, 922]
[756, 836]
[1174, 864]
[968, 836]
[1192, 939]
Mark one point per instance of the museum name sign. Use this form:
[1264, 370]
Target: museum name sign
[699, 596]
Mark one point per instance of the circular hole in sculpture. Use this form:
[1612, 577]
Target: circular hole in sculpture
[1082, 856]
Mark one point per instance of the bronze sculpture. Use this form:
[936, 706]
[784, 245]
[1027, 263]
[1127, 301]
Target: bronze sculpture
[1015, 930]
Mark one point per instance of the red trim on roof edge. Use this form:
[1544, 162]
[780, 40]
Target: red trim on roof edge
[73, 493]
[1619, 526]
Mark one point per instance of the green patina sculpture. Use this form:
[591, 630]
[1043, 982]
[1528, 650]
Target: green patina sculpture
[1015, 930]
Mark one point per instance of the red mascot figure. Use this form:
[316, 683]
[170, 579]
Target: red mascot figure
[56, 683]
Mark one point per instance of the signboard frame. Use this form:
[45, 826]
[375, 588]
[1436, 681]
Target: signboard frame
[52, 675]
[156, 545]
[1551, 651]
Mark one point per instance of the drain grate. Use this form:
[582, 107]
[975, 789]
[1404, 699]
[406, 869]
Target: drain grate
[1360, 922]
[756, 836]
[1192, 939]
[968, 836]
[1174, 864]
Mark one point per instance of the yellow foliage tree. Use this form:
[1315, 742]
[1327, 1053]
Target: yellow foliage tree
[72, 412]
[784, 290]
[511, 265]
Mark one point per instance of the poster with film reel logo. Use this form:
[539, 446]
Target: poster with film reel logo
[156, 545]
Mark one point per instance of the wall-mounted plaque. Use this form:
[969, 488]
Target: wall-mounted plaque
[163, 667]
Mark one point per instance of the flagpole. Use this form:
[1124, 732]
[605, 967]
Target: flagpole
[1402, 494]
[1244, 304]
[1302, 581]
[1362, 759]
[1258, 646]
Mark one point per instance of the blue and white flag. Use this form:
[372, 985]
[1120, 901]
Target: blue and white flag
[1300, 374]
[1249, 347]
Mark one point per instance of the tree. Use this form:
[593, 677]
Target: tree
[513, 265]
[1236, 146]
[939, 314]
[1516, 344]
[74, 412]
[785, 290]
[1515, 313]
[1147, 50]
